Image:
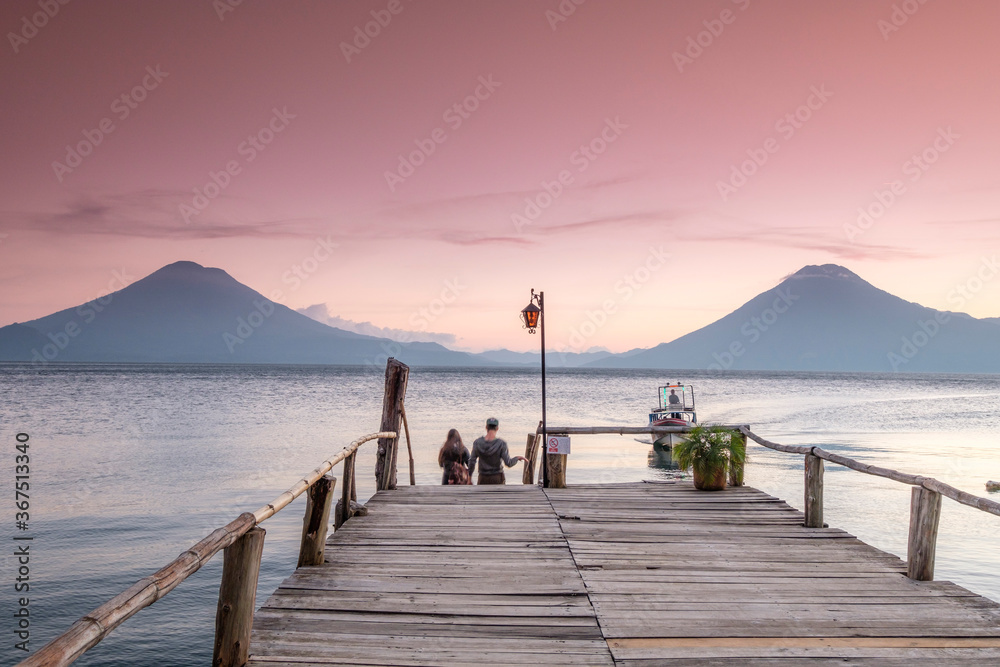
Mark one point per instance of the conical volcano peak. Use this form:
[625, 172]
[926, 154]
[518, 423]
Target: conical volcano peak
[186, 268]
[189, 271]
[183, 265]
[825, 271]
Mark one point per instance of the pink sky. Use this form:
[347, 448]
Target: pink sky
[671, 134]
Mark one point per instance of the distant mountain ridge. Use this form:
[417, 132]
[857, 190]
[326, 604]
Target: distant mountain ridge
[553, 358]
[827, 318]
[821, 318]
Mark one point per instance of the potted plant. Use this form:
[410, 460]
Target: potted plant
[711, 452]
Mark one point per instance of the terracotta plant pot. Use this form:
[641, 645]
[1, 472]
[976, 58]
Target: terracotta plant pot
[715, 481]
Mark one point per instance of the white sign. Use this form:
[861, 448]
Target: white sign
[558, 444]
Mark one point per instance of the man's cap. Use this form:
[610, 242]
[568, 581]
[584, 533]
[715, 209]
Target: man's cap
[492, 423]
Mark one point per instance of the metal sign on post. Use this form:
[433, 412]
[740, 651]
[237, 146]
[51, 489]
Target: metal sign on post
[557, 444]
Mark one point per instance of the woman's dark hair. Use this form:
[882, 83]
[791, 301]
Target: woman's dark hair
[452, 448]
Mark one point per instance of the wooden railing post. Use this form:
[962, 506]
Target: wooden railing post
[396, 375]
[409, 446]
[925, 514]
[814, 491]
[316, 520]
[531, 454]
[347, 494]
[237, 599]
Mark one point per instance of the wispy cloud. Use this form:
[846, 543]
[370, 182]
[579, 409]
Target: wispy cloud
[637, 219]
[321, 313]
[805, 238]
[481, 219]
[146, 214]
[478, 220]
[485, 218]
[967, 222]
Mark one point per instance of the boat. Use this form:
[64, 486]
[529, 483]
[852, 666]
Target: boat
[676, 408]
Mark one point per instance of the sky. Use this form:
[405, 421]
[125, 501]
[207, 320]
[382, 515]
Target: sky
[417, 167]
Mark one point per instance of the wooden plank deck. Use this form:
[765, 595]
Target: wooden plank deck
[437, 576]
[627, 574]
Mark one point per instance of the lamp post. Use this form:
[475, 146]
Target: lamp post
[533, 316]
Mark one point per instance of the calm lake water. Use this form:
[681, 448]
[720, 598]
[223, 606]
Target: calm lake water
[131, 465]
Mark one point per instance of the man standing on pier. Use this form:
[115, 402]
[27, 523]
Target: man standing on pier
[491, 452]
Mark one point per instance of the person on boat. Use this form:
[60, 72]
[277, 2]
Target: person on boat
[674, 400]
[454, 458]
[491, 453]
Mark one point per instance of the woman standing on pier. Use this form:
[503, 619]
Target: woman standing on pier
[454, 458]
[492, 453]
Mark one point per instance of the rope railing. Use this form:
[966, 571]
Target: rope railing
[90, 629]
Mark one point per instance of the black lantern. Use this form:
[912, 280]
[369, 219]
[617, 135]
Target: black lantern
[530, 315]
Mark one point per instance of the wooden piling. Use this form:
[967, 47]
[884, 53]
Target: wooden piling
[813, 491]
[557, 471]
[316, 520]
[237, 599]
[396, 376]
[925, 514]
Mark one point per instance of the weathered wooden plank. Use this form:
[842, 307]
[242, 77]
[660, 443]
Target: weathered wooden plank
[656, 570]
[410, 585]
[786, 643]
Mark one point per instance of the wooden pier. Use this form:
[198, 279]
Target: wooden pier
[613, 574]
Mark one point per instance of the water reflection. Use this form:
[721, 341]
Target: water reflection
[660, 457]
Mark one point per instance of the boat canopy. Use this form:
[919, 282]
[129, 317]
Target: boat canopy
[684, 402]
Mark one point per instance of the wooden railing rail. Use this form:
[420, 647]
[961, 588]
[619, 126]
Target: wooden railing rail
[95, 626]
[925, 500]
[300, 487]
[929, 483]
[624, 430]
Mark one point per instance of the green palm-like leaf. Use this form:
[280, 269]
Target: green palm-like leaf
[709, 448]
